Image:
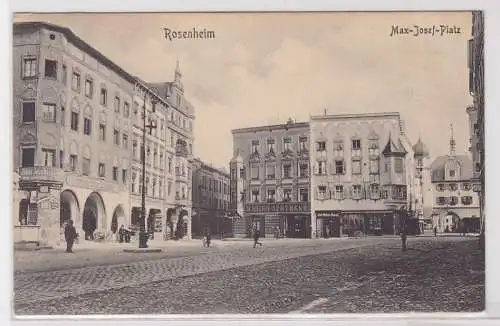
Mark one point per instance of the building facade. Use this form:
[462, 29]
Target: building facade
[456, 205]
[363, 174]
[210, 200]
[476, 111]
[270, 180]
[76, 118]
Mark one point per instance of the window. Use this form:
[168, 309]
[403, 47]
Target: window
[169, 187]
[51, 68]
[63, 115]
[466, 186]
[287, 170]
[452, 173]
[271, 171]
[74, 121]
[339, 167]
[49, 157]
[116, 137]
[339, 192]
[254, 170]
[321, 167]
[320, 146]
[126, 110]
[287, 144]
[374, 190]
[125, 141]
[303, 170]
[303, 144]
[102, 170]
[61, 159]
[86, 166]
[453, 200]
[304, 194]
[75, 81]
[440, 187]
[321, 192]
[115, 173]
[65, 75]
[29, 67]
[478, 167]
[160, 189]
[373, 150]
[104, 96]
[356, 167]
[87, 126]
[242, 173]
[161, 159]
[398, 165]
[374, 166]
[255, 196]
[467, 200]
[441, 200]
[270, 146]
[453, 186]
[73, 160]
[117, 104]
[89, 87]
[170, 164]
[134, 149]
[356, 191]
[339, 150]
[255, 147]
[29, 113]
[271, 195]
[28, 157]
[102, 132]
[356, 148]
[287, 195]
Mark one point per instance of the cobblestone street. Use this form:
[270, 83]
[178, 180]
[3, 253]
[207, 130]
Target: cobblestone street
[344, 275]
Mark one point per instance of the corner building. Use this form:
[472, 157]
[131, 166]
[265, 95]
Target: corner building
[362, 174]
[270, 180]
[75, 120]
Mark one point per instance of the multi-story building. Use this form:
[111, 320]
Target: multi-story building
[476, 111]
[455, 205]
[270, 180]
[210, 200]
[362, 174]
[77, 120]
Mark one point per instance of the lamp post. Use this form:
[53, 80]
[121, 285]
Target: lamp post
[143, 236]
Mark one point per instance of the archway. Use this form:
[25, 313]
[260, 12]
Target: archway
[23, 211]
[70, 208]
[451, 222]
[93, 211]
[118, 217]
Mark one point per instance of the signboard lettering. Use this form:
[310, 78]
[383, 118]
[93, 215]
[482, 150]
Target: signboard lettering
[286, 207]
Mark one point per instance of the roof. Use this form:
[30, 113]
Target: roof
[420, 149]
[394, 148]
[289, 125]
[356, 115]
[78, 42]
[165, 90]
[438, 165]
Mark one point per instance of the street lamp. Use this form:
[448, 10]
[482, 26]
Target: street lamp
[143, 236]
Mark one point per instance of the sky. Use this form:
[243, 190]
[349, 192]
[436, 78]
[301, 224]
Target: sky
[263, 68]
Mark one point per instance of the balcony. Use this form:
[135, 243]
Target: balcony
[41, 174]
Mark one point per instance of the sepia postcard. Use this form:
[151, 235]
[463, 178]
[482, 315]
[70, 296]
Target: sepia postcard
[248, 163]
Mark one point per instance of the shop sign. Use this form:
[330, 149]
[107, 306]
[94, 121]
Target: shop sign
[287, 207]
[326, 214]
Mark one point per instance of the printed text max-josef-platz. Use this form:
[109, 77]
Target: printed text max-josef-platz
[433, 30]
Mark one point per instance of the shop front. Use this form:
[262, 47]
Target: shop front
[328, 224]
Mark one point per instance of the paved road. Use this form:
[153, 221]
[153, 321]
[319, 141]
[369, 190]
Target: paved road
[364, 275]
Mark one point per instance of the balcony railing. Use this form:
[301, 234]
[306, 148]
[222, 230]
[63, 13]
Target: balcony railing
[40, 173]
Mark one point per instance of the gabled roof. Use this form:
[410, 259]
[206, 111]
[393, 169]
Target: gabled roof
[394, 148]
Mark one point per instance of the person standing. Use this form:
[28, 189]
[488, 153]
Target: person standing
[435, 231]
[70, 235]
[256, 236]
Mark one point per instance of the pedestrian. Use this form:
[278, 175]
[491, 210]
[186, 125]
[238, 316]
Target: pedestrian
[121, 233]
[403, 239]
[70, 236]
[278, 232]
[256, 236]
[209, 238]
[435, 231]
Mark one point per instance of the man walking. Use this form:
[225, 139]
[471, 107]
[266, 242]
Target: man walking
[70, 235]
[256, 236]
